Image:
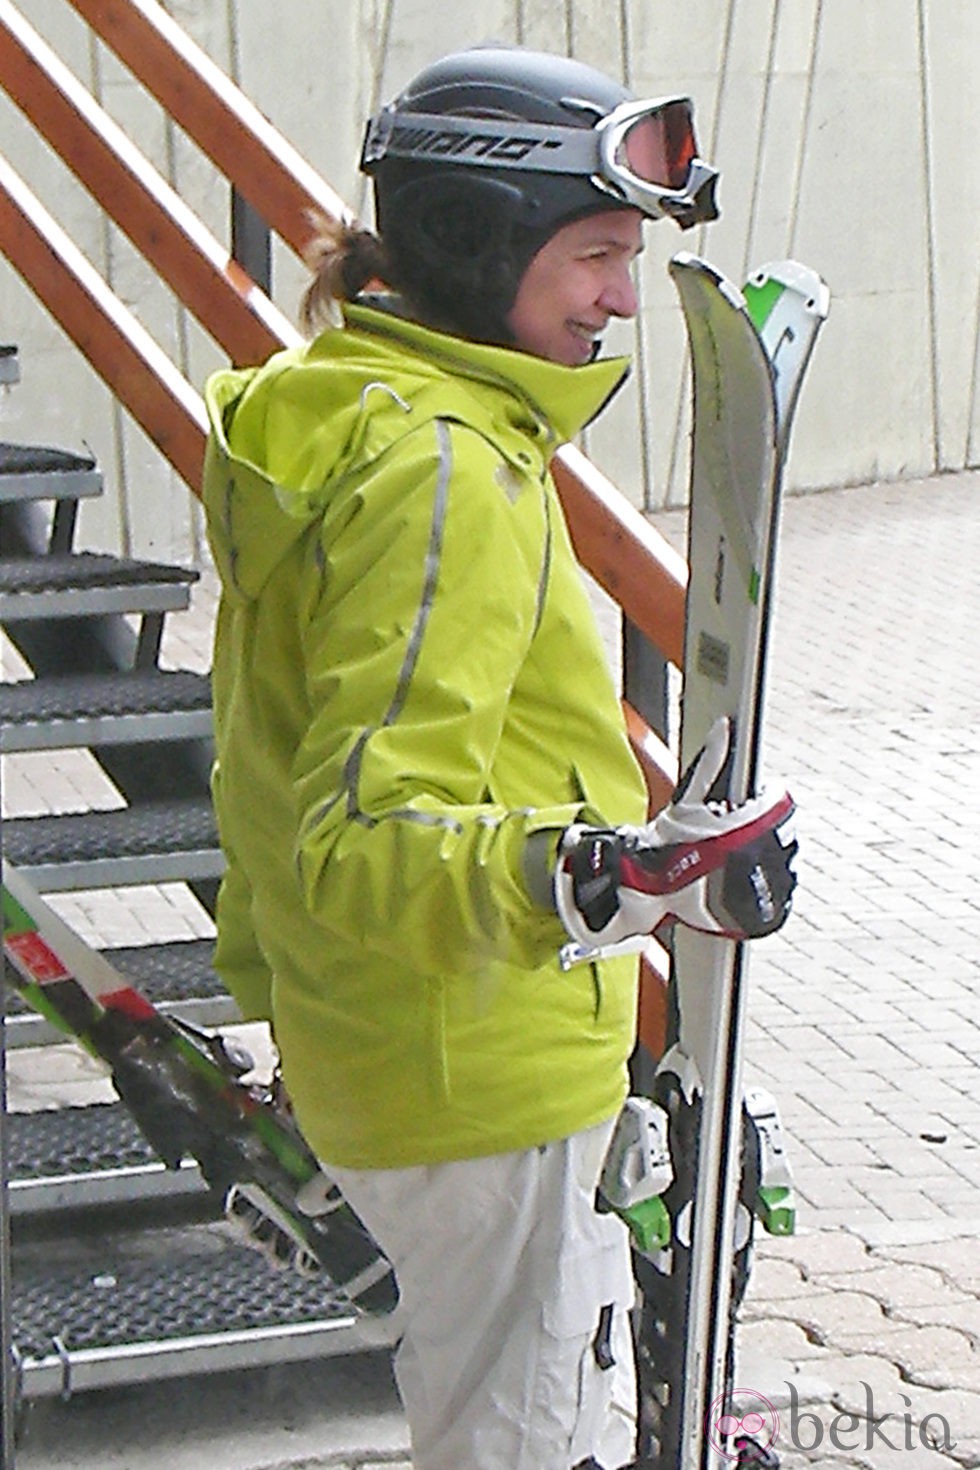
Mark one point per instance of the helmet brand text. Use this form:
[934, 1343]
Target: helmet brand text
[443, 143]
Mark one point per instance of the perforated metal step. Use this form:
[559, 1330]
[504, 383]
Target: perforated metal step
[104, 709]
[87, 583]
[176, 977]
[155, 842]
[94, 1155]
[37, 472]
[176, 1311]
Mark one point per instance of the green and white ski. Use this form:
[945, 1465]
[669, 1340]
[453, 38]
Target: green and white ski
[184, 1087]
[749, 353]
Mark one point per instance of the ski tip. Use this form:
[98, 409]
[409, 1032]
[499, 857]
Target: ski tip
[793, 276]
[686, 260]
[685, 267]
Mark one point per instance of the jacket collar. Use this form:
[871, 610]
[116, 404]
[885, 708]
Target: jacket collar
[567, 397]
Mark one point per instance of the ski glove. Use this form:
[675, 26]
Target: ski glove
[718, 868]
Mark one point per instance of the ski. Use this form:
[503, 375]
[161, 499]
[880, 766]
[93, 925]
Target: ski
[723, 1163]
[184, 1087]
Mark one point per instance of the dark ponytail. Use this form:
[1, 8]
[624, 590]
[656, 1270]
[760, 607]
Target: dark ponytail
[344, 258]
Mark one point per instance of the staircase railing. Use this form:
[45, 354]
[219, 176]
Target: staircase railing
[622, 551]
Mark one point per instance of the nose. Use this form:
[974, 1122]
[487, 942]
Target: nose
[619, 294]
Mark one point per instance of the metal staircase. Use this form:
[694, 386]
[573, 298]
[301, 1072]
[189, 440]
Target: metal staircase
[104, 1291]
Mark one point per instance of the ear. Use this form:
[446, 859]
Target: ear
[458, 217]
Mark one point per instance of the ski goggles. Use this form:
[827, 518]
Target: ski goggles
[642, 153]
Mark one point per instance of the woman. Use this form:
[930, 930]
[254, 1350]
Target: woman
[420, 748]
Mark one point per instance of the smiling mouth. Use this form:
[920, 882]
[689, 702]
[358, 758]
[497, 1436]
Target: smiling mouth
[588, 338]
[585, 332]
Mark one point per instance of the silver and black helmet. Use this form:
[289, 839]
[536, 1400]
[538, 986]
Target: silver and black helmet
[489, 151]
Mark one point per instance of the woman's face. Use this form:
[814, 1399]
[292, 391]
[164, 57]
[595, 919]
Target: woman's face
[575, 283]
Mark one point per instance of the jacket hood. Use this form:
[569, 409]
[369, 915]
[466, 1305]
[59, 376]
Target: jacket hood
[283, 435]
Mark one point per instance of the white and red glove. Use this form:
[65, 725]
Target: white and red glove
[715, 867]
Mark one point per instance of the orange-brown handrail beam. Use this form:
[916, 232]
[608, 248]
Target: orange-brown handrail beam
[124, 355]
[627, 556]
[657, 760]
[230, 129]
[131, 191]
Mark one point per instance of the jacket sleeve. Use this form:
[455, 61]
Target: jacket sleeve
[430, 591]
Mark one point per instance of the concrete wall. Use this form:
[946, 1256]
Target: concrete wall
[848, 135]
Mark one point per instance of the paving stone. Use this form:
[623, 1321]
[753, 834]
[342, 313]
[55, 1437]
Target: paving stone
[845, 1152]
[962, 1314]
[915, 1234]
[901, 1287]
[845, 1374]
[933, 1354]
[772, 1279]
[896, 1200]
[828, 1315]
[957, 1260]
[779, 1381]
[826, 1250]
[917, 1159]
[865, 1219]
[781, 1340]
[930, 1354]
[963, 1375]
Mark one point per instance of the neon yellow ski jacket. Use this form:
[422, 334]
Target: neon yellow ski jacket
[408, 685]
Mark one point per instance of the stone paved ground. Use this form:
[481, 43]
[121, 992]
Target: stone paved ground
[866, 1011]
[863, 1332]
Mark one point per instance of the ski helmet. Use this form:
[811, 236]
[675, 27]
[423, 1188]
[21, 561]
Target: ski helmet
[489, 151]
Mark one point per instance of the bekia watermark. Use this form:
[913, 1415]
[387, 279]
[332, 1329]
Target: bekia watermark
[745, 1416]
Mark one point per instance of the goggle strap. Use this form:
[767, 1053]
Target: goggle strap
[481, 141]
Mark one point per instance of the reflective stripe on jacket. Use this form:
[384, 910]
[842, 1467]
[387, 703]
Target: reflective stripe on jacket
[408, 684]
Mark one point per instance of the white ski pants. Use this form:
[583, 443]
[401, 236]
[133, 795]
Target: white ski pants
[504, 1270]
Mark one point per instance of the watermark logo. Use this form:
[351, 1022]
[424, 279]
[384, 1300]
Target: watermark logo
[747, 1418]
[743, 1415]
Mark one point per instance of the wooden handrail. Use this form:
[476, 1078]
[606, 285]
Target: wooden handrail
[657, 760]
[124, 355]
[230, 129]
[131, 191]
[627, 556]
